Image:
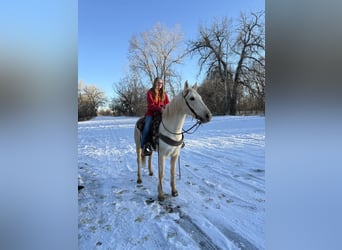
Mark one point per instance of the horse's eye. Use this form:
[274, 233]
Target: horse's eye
[192, 98]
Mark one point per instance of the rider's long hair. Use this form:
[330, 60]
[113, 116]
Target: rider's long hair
[159, 94]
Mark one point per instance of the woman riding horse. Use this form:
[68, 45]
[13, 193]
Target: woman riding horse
[156, 101]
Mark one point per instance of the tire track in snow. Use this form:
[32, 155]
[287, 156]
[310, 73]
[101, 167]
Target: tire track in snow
[195, 232]
[199, 236]
[187, 224]
[237, 239]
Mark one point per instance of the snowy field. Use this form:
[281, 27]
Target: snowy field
[221, 202]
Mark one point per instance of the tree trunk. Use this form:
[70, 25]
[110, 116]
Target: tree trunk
[233, 100]
[228, 98]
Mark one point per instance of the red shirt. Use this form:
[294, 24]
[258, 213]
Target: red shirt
[153, 105]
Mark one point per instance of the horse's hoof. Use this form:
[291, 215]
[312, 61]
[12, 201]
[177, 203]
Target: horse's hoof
[151, 174]
[161, 197]
[139, 181]
[174, 193]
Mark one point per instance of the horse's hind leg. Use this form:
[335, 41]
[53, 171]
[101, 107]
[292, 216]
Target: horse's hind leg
[173, 173]
[150, 170]
[140, 158]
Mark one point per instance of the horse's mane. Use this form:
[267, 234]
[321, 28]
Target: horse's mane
[174, 106]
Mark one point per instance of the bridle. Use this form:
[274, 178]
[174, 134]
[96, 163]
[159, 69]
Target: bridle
[198, 123]
[191, 109]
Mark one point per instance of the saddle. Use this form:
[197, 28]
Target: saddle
[154, 130]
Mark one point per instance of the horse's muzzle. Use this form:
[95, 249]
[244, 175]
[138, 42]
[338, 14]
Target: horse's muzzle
[205, 118]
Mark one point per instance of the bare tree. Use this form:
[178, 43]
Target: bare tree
[230, 56]
[250, 49]
[253, 81]
[212, 47]
[156, 52]
[90, 98]
[95, 96]
[130, 97]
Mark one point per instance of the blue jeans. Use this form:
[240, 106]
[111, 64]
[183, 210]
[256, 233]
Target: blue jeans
[148, 121]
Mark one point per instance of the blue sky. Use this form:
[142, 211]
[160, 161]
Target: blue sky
[106, 26]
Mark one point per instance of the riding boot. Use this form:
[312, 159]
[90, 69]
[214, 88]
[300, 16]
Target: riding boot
[147, 149]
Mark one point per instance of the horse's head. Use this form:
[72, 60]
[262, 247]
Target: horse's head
[195, 105]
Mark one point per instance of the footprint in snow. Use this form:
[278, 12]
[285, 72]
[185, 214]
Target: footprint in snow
[122, 191]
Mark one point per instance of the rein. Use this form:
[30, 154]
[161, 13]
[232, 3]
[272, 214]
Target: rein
[198, 123]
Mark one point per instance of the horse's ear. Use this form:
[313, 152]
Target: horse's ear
[195, 86]
[186, 85]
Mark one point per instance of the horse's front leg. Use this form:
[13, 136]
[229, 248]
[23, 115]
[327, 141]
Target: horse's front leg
[173, 173]
[161, 160]
[139, 162]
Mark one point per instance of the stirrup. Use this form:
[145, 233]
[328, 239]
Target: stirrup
[147, 149]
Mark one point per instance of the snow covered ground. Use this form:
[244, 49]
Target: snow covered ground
[221, 202]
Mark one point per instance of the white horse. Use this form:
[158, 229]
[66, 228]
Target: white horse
[169, 143]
